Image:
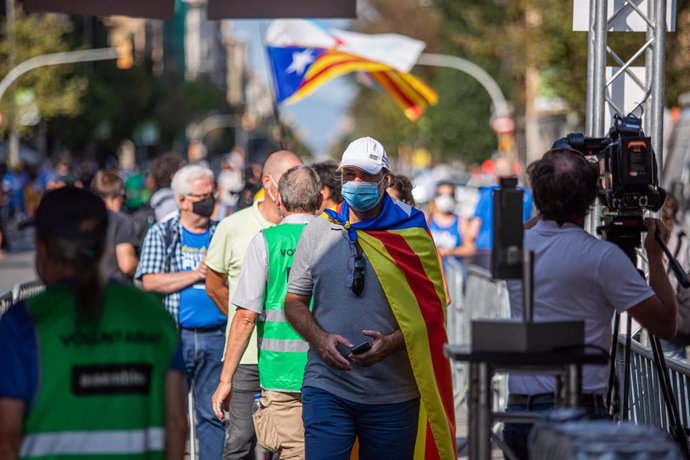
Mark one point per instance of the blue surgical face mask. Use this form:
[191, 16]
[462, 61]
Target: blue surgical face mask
[361, 196]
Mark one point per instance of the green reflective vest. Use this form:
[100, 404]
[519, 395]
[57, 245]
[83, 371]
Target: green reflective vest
[101, 388]
[282, 351]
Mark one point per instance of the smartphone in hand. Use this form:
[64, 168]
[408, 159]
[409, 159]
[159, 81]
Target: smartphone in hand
[361, 348]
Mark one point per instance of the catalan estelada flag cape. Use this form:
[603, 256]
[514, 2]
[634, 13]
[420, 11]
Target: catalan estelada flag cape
[305, 55]
[400, 249]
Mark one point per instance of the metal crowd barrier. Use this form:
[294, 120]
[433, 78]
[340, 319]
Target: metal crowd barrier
[26, 290]
[646, 403]
[20, 291]
[455, 315]
[483, 298]
[5, 301]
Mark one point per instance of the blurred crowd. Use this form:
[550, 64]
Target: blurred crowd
[140, 195]
[272, 345]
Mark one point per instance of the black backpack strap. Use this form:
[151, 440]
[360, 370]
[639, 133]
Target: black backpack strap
[171, 236]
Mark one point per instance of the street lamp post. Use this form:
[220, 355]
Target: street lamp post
[470, 68]
[198, 131]
[501, 110]
[66, 57]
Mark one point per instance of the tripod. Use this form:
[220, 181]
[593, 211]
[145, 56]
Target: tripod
[625, 232]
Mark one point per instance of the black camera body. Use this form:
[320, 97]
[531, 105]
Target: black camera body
[628, 179]
[627, 166]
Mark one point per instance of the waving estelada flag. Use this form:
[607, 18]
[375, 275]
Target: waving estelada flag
[399, 247]
[304, 55]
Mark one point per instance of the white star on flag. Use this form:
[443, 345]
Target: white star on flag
[300, 60]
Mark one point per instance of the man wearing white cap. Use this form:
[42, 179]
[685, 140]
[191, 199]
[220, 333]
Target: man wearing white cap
[365, 321]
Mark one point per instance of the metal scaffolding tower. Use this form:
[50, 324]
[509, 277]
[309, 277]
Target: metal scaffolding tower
[652, 105]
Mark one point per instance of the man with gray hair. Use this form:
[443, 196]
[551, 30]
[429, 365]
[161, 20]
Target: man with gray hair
[173, 263]
[259, 297]
[225, 256]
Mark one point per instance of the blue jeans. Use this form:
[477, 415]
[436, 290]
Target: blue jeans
[385, 431]
[515, 434]
[202, 353]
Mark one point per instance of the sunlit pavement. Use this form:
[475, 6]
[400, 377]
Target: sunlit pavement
[16, 267]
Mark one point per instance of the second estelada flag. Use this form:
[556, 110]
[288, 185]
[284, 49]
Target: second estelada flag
[304, 55]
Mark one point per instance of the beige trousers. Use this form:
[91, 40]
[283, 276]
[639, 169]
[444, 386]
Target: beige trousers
[278, 424]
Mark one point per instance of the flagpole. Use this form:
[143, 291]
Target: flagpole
[271, 86]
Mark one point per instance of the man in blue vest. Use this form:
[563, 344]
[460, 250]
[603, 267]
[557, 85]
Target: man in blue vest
[259, 299]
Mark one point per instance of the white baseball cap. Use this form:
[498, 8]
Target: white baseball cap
[365, 153]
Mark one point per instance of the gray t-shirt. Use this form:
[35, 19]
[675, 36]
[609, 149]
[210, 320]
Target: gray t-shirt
[121, 230]
[320, 268]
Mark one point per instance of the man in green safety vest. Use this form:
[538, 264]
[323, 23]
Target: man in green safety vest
[88, 370]
[259, 300]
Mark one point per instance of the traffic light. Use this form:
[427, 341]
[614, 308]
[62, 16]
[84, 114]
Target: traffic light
[125, 59]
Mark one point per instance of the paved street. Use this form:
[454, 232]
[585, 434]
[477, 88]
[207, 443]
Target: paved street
[16, 267]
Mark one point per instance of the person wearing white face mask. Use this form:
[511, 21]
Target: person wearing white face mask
[448, 229]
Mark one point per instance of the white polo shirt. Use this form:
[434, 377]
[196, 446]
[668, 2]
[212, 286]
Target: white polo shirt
[576, 277]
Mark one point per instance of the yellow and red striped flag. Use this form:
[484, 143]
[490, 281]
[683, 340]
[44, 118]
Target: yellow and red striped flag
[305, 55]
[399, 247]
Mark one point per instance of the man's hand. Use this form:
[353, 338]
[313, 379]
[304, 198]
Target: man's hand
[326, 346]
[201, 269]
[655, 226]
[382, 346]
[221, 399]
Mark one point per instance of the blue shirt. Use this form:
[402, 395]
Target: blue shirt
[197, 310]
[485, 212]
[13, 183]
[448, 236]
[162, 253]
[19, 355]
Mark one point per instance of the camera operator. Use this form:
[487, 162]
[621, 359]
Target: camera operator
[579, 277]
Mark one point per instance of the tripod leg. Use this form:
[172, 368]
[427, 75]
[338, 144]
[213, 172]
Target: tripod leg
[626, 368]
[611, 401]
[678, 431]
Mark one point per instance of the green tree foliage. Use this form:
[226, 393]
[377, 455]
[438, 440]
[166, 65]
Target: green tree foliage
[56, 90]
[678, 50]
[458, 126]
[377, 116]
[117, 102]
[505, 38]
[515, 35]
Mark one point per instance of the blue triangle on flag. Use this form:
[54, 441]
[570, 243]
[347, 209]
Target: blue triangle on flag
[289, 65]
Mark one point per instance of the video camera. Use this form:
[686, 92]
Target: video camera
[627, 166]
[628, 182]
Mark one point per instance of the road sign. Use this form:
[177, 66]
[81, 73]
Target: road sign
[503, 124]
